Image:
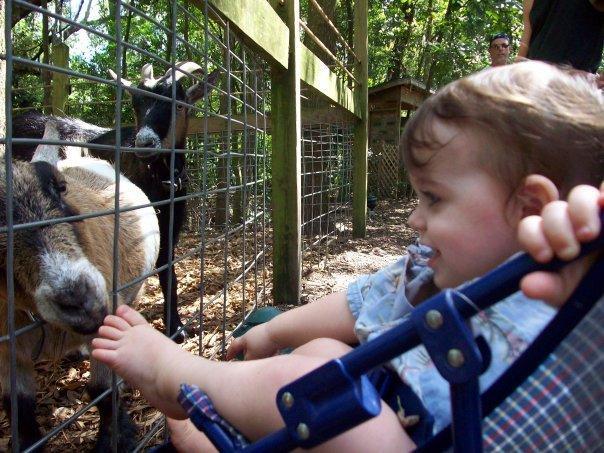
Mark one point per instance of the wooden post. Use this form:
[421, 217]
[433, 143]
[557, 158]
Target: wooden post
[286, 190]
[360, 146]
[60, 82]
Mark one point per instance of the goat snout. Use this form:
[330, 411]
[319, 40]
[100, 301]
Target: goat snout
[82, 305]
[146, 138]
[72, 294]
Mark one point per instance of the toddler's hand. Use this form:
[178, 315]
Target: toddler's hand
[254, 344]
[558, 231]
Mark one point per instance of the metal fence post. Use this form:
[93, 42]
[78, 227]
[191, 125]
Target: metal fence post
[286, 186]
[2, 76]
[360, 145]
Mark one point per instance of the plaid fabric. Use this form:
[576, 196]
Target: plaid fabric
[561, 406]
[195, 402]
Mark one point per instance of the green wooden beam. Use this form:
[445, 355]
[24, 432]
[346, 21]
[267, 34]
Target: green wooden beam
[318, 75]
[360, 140]
[258, 23]
[286, 166]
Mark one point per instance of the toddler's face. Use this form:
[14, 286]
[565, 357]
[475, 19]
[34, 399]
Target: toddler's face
[463, 211]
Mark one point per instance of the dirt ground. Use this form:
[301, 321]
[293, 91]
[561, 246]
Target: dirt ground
[62, 385]
[386, 239]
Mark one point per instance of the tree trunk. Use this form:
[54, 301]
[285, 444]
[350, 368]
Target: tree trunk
[396, 68]
[439, 36]
[421, 64]
[126, 39]
[46, 100]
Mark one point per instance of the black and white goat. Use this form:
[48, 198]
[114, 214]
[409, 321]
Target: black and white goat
[148, 169]
[63, 272]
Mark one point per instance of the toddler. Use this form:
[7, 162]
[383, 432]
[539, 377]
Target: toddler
[489, 156]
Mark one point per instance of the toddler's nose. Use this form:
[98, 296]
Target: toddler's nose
[416, 221]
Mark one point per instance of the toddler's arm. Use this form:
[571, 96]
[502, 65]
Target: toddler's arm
[327, 317]
[558, 231]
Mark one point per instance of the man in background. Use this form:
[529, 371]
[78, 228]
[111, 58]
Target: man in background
[499, 49]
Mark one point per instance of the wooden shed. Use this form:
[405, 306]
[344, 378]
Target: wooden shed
[390, 104]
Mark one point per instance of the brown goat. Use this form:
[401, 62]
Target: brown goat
[63, 272]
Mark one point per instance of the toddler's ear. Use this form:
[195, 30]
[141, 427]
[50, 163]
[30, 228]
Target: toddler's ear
[534, 193]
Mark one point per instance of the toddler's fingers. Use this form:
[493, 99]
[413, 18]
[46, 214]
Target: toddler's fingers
[583, 210]
[555, 287]
[559, 230]
[235, 348]
[545, 286]
[533, 240]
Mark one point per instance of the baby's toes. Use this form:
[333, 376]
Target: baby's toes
[130, 315]
[110, 333]
[104, 343]
[107, 356]
[116, 322]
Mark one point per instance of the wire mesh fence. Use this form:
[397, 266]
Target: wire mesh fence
[326, 188]
[203, 166]
[185, 117]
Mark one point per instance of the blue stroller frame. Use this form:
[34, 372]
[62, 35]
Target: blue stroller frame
[338, 395]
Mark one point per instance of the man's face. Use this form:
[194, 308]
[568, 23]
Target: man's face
[499, 52]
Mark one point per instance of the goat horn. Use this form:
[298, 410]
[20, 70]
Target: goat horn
[45, 152]
[187, 66]
[125, 82]
[147, 74]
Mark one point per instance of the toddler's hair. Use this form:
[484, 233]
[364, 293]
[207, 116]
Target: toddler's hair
[542, 119]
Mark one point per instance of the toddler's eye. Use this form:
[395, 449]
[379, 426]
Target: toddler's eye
[430, 198]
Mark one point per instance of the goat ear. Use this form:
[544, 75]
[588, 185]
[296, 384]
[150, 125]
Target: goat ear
[198, 90]
[45, 152]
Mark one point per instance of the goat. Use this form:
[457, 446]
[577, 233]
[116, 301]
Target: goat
[63, 272]
[149, 170]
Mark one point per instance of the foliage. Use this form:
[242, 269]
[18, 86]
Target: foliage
[436, 41]
[433, 41]
[146, 40]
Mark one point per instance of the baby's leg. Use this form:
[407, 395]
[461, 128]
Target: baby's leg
[243, 392]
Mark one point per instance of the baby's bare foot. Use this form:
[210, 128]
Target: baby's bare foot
[143, 357]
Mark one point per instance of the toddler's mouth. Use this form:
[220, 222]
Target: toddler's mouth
[433, 257]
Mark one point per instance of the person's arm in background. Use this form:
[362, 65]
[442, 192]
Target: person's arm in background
[523, 47]
[327, 317]
[597, 4]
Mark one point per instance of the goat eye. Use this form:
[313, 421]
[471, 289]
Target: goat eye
[61, 187]
[180, 107]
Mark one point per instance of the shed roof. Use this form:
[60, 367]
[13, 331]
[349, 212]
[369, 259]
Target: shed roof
[408, 93]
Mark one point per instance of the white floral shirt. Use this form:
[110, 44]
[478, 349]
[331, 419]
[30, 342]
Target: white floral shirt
[382, 300]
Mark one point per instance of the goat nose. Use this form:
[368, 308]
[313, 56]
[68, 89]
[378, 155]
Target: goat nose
[145, 142]
[83, 305]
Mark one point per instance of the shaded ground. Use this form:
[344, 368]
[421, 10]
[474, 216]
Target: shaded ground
[62, 386]
[386, 239]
